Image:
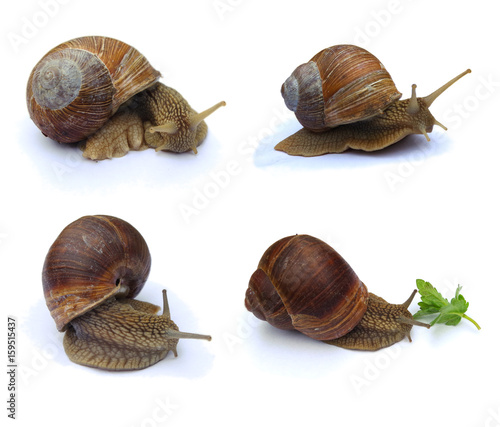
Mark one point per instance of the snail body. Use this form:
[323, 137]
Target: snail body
[86, 90]
[303, 284]
[91, 275]
[345, 99]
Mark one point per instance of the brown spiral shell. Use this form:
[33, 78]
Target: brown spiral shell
[77, 86]
[339, 85]
[304, 284]
[94, 258]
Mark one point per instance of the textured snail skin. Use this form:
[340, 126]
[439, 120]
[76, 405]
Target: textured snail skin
[133, 127]
[122, 335]
[122, 133]
[345, 99]
[90, 275]
[381, 326]
[371, 134]
[302, 283]
[135, 341]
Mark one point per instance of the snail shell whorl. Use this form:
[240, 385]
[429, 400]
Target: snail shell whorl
[78, 85]
[302, 283]
[339, 85]
[93, 258]
[57, 81]
[303, 94]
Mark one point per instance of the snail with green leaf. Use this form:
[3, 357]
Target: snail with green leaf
[303, 284]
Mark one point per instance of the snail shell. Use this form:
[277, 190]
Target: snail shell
[304, 284]
[77, 86]
[93, 259]
[339, 85]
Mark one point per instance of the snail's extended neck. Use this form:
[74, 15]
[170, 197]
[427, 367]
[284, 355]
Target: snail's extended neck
[382, 325]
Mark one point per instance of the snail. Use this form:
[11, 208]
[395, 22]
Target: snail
[105, 93]
[91, 275]
[345, 98]
[303, 284]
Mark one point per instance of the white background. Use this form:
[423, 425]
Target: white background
[415, 210]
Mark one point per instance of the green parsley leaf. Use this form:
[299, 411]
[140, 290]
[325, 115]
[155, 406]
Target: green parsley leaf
[448, 312]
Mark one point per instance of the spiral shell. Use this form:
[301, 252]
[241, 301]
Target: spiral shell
[94, 258]
[302, 283]
[339, 85]
[78, 85]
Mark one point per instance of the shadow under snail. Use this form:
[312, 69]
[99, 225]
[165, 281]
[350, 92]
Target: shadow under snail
[91, 275]
[105, 93]
[303, 284]
[345, 99]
